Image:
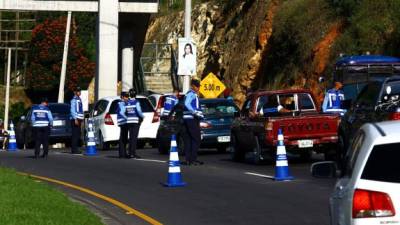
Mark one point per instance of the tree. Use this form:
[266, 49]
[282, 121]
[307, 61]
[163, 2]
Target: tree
[46, 54]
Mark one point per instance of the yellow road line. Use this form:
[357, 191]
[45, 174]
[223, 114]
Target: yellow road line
[121, 205]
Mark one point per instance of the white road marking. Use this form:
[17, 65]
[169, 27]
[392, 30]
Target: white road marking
[151, 160]
[259, 175]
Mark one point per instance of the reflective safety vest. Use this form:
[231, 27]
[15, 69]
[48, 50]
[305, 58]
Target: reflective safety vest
[194, 105]
[77, 108]
[170, 103]
[41, 116]
[131, 111]
[334, 98]
[121, 117]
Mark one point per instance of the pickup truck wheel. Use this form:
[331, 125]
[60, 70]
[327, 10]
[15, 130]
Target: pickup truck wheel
[236, 154]
[257, 151]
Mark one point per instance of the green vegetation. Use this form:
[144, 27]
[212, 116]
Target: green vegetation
[367, 26]
[297, 27]
[28, 202]
[373, 26]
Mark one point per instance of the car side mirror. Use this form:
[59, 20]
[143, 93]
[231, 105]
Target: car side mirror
[23, 118]
[327, 169]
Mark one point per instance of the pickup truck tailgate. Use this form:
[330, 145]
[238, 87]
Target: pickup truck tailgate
[321, 128]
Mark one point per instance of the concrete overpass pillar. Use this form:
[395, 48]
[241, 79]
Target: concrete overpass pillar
[127, 68]
[107, 49]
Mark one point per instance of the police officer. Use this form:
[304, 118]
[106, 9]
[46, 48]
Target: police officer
[192, 115]
[333, 100]
[121, 118]
[134, 117]
[76, 120]
[42, 120]
[170, 102]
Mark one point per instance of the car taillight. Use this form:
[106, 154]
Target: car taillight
[108, 120]
[156, 117]
[395, 115]
[372, 204]
[205, 125]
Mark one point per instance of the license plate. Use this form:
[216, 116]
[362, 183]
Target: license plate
[224, 139]
[305, 143]
[57, 123]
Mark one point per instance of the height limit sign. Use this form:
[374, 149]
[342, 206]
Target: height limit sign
[211, 86]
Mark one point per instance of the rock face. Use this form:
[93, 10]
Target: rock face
[235, 42]
[231, 39]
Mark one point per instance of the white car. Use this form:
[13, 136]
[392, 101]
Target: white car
[105, 125]
[368, 191]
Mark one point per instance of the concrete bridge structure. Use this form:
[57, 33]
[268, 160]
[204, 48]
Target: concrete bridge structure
[121, 29]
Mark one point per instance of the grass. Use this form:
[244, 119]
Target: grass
[24, 201]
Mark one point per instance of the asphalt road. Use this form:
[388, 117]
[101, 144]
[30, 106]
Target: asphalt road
[218, 192]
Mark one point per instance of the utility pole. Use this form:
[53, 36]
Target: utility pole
[64, 61]
[188, 13]
[7, 100]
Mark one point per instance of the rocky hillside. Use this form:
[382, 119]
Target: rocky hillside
[272, 44]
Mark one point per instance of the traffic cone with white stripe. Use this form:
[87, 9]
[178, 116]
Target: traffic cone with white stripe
[91, 142]
[174, 171]
[12, 142]
[282, 167]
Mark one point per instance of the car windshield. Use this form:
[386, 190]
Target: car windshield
[382, 164]
[59, 109]
[219, 108]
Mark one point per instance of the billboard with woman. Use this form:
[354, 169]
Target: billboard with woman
[187, 57]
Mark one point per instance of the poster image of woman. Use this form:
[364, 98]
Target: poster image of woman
[187, 61]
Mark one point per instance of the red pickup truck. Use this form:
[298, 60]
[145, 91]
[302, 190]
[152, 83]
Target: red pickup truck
[305, 127]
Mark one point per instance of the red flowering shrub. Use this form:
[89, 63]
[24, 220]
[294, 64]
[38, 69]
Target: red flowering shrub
[46, 54]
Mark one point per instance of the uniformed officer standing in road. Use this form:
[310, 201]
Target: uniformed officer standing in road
[170, 102]
[121, 118]
[333, 100]
[192, 115]
[42, 120]
[134, 117]
[76, 120]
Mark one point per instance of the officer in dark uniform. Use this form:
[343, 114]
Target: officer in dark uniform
[192, 115]
[134, 117]
[42, 120]
[76, 120]
[121, 118]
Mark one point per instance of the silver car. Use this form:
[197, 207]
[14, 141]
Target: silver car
[368, 188]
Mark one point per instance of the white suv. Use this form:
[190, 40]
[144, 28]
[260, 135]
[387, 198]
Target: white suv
[368, 191]
[106, 129]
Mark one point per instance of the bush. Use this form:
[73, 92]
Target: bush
[374, 27]
[298, 26]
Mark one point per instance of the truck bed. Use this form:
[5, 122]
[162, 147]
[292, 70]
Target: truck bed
[318, 127]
